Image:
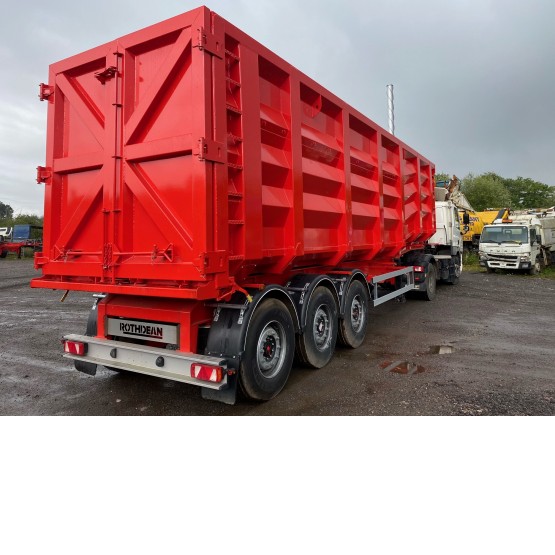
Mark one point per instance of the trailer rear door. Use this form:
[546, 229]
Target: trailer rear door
[131, 150]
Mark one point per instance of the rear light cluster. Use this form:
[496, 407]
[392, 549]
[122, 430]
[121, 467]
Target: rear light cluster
[75, 348]
[207, 373]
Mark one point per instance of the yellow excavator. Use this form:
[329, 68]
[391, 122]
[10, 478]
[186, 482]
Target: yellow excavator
[472, 222]
[477, 221]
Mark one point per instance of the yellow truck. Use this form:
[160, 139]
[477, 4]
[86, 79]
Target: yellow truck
[477, 221]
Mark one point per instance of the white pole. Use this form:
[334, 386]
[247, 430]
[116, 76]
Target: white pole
[390, 109]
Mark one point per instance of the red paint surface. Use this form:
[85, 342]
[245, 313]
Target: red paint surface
[186, 157]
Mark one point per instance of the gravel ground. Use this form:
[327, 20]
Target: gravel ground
[483, 347]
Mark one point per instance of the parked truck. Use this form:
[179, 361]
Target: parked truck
[523, 242]
[20, 237]
[477, 221]
[226, 210]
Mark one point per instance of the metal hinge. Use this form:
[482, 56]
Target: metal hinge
[43, 174]
[208, 42]
[106, 74]
[45, 91]
[209, 150]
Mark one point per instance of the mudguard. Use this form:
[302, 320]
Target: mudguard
[301, 287]
[80, 365]
[228, 334]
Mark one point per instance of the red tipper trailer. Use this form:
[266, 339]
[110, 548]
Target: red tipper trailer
[226, 209]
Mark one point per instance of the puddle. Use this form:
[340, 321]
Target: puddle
[403, 367]
[441, 349]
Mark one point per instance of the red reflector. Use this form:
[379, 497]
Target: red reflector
[207, 373]
[75, 347]
[419, 268]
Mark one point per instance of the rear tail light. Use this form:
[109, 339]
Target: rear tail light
[419, 268]
[207, 373]
[75, 348]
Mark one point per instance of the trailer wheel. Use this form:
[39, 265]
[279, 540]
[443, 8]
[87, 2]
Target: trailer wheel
[3, 254]
[431, 283]
[269, 350]
[317, 344]
[352, 328]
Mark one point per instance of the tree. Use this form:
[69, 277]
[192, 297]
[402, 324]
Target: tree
[526, 193]
[486, 191]
[21, 218]
[6, 211]
[32, 219]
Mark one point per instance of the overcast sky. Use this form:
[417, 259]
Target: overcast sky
[474, 79]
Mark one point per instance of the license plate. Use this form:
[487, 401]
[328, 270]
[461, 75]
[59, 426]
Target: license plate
[148, 331]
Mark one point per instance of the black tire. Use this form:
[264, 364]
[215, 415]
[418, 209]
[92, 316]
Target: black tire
[431, 283]
[490, 270]
[352, 328]
[536, 267]
[3, 254]
[269, 351]
[454, 276]
[316, 345]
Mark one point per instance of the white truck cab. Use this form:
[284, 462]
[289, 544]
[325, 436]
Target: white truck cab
[448, 227]
[526, 242]
[5, 233]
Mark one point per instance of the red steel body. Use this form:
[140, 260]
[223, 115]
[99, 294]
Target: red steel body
[186, 160]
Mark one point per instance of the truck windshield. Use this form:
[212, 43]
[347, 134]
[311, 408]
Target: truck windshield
[504, 234]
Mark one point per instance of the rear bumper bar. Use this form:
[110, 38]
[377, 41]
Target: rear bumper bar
[153, 361]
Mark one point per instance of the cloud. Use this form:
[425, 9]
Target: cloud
[474, 79]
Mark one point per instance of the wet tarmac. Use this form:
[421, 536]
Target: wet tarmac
[483, 347]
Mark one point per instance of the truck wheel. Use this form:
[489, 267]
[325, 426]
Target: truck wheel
[431, 283]
[490, 270]
[352, 328]
[269, 351]
[3, 254]
[317, 344]
[454, 278]
[536, 267]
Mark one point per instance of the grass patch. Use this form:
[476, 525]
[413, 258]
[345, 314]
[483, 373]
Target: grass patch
[548, 272]
[471, 261]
